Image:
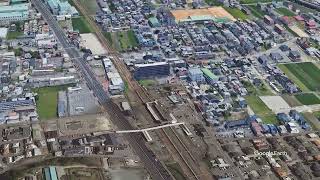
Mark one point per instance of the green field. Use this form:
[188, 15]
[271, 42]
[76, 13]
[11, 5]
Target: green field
[291, 100]
[18, 51]
[90, 5]
[132, 38]
[285, 12]
[147, 82]
[81, 25]
[256, 11]
[317, 114]
[260, 90]
[261, 110]
[123, 40]
[313, 120]
[18, 32]
[108, 36]
[14, 34]
[305, 75]
[47, 101]
[236, 13]
[308, 98]
[213, 2]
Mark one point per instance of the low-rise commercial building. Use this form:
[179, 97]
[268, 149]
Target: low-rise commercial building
[14, 12]
[59, 7]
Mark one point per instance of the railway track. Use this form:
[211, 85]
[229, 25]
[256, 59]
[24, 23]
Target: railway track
[188, 162]
[170, 136]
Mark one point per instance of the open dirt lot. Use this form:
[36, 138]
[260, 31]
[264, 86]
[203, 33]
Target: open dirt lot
[90, 41]
[216, 12]
[84, 124]
[300, 32]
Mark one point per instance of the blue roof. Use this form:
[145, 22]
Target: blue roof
[14, 14]
[265, 128]
[14, 8]
[53, 173]
[154, 21]
[50, 173]
[53, 4]
[47, 174]
[283, 117]
[194, 71]
[252, 118]
[236, 123]
[4, 106]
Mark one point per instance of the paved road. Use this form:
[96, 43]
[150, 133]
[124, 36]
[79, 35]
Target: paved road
[304, 108]
[137, 143]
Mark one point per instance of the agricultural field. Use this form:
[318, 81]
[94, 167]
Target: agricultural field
[291, 100]
[285, 12]
[261, 110]
[305, 75]
[313, 120]
[122, 41]
[307, 98]
[256, 11]
[236, 13]
[81, 25]
[47, 101]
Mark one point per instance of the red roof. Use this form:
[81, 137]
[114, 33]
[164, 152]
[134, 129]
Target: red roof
[299, 18]
[286, 18]
[311, 23]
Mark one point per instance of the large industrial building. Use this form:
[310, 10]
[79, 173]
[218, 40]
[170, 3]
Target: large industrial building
[154, 70]
[13, 10]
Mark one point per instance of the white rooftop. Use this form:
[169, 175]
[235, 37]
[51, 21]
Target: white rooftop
[152, 64]
[3, 32]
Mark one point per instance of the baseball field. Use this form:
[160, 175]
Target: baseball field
[215, 12]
